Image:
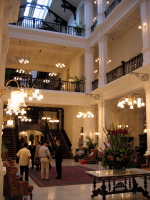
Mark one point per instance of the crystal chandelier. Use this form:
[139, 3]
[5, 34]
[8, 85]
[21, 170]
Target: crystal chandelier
[87, 114]
[131, 101]
[52, 74]
[50, 120]
[32, 93]
[60, 64]
[54, 120]
[46, 81]
[24, 61]
[25, 119]
[17, 100]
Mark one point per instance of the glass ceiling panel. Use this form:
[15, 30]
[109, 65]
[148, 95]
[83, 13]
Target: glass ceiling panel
[36, 11]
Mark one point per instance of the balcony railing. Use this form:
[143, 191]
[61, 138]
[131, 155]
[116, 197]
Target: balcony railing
[93, 26]
[40, 24]
[60, 85]
[125, 68]
[111, 7]
[95, 84]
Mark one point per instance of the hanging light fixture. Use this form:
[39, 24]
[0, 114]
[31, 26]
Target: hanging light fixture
[17, 100]
[25, 119]
[86, 113]
[52, 74]
[131, 101]
[60, 64]
[24, 60]
[32, 93]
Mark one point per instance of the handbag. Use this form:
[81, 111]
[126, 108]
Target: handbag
[37, 162]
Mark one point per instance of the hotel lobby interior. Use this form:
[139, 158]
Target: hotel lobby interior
[69, 69]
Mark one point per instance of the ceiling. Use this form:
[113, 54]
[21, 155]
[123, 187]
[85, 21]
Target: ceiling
[43, 56]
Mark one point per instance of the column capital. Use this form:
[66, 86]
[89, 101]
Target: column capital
[147, 88]
[102, 38]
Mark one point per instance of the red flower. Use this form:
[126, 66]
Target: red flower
[125, 131]
[120, 131]
[113, 132]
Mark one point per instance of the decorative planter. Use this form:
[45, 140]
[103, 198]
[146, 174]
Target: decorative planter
[119, 171]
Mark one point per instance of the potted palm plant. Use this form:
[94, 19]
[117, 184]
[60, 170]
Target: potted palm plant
[90, 144]
[77, 82]
[79, 29]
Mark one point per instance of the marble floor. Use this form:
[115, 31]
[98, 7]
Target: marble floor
[75, 192]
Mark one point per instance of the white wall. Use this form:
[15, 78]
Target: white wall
[72, 125]
[125, 48]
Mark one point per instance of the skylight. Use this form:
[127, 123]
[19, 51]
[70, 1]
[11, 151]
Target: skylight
[35, 10]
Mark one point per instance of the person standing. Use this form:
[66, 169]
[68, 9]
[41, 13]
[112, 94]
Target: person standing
[45, 156]
[36, 157]
[24, 158]
[32, 149]
[58, 159]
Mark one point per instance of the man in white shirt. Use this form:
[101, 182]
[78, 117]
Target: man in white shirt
[45, 156]
[24, 158]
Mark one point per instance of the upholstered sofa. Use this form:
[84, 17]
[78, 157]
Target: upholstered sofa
[13, 187]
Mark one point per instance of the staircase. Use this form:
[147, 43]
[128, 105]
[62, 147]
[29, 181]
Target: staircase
[65, 142]
[10, 138]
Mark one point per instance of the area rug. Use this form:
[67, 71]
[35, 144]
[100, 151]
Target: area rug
[71, 175]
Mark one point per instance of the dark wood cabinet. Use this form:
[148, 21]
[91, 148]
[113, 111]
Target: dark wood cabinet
[143, 142]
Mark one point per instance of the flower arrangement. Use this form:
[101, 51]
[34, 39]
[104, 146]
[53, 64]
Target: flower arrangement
[119, 153]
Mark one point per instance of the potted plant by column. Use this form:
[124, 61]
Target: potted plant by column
[77, 82]
[79, 29]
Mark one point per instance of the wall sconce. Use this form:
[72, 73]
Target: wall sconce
[94, 19]
[95, 1]
[97, 59]
[97, 137]
[109, 61]
[144, 25]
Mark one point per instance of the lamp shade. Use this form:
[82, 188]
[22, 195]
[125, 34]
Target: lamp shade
[17, 97]
[10, 122]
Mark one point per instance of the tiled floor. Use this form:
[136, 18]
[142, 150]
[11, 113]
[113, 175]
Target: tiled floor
[75, 192]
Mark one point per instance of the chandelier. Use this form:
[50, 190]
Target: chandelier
[50, 120]
[46, 81]
[131, 101]
[24, 60]
[17, 100]
[60, 64]
[25, 119]
[54, 120]
[46, 118]
[86, 114]
[8, 123]
[52, 74]
[32, 93]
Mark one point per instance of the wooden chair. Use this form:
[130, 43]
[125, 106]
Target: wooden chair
[92, 158]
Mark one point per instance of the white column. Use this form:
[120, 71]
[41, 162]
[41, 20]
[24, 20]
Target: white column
[145, 19]
[147, 93]
[88, 16]
[101, 7]
[89, 69]
[103, 121]
[102, 45]
[8, 13]
[2, 170]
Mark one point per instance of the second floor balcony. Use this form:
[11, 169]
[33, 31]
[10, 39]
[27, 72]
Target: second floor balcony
[35, 23]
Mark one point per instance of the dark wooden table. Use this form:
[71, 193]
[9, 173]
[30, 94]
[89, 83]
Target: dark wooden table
[119, 183]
